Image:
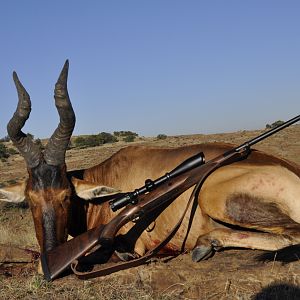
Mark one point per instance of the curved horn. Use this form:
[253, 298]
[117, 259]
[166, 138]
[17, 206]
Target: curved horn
[57, 145]
[28, 149]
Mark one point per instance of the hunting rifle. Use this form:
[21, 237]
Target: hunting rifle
[145, 200]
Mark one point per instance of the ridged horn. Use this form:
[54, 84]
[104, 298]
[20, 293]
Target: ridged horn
[28, 149]
[55, 150]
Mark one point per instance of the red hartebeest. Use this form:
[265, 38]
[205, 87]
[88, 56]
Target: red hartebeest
[261, 193]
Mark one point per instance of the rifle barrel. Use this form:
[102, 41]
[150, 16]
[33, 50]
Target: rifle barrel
[269, 133]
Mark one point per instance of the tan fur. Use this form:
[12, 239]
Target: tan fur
[89, 190]
[270, 184]
[14, 193]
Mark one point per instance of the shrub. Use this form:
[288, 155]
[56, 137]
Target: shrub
[12, 151]
[129, 138]
[6, 152]
[3, 151]
[275, 124]
[88, 141]
[91, 141]
[79, 141]
[105, 137]
[94, 140]
[161, 137]
[125, 133]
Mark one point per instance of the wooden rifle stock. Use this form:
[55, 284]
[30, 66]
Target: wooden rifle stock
[57, 260]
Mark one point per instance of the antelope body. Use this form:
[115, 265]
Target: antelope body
[261, 192]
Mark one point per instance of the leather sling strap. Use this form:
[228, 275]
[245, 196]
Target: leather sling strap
[106, 270]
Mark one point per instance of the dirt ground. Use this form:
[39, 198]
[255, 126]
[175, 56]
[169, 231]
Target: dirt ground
[229, 274]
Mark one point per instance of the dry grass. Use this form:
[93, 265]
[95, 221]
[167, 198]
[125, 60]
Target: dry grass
[231, 274]
[16, 227]
[223, 277]
[34, 287]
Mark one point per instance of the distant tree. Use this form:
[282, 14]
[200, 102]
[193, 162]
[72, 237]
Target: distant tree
[275, 124]
[125, 133]
[161, 136]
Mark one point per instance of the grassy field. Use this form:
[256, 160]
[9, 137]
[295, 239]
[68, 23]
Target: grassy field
[230, 274]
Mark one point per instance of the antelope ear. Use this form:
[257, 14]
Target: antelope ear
[90, 190]
[14, 193]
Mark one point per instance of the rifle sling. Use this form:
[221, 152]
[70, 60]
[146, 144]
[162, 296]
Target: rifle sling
[143, 259]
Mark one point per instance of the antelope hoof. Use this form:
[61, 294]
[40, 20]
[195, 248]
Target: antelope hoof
[201, 252]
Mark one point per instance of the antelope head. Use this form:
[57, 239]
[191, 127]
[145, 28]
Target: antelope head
[48, 189]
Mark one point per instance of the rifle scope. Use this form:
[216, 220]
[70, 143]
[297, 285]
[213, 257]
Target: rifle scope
[132, 197]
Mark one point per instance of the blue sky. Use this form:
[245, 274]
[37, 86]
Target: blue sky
[172, 67]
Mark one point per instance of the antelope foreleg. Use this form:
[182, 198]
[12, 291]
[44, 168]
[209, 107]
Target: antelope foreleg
[223, 237]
